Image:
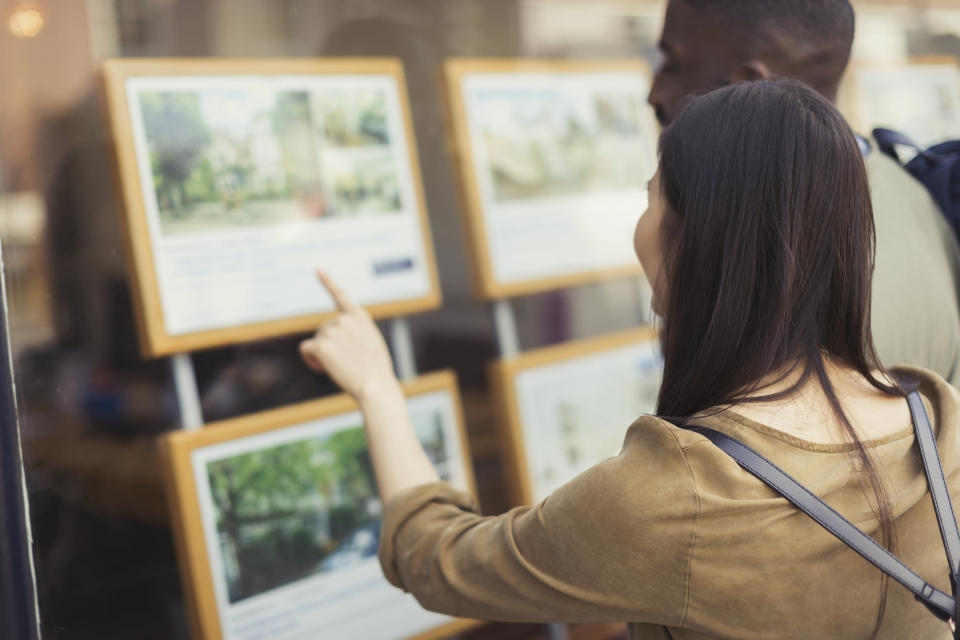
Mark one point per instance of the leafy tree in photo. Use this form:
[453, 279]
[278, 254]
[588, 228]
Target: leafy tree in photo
[177, 135]
[373, 121]
[271, 503]
[263, 491]
[352, 486]
[200, 184]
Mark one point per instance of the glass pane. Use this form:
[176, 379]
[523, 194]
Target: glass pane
[92, 406]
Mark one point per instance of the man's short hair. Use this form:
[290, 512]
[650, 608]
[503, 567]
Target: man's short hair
[807, 33]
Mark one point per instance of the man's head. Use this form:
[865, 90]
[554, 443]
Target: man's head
[711, 43]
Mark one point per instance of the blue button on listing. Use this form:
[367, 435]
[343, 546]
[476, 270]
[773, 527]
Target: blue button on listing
[392, 266]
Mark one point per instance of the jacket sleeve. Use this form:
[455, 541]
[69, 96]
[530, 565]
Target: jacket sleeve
[612, 545]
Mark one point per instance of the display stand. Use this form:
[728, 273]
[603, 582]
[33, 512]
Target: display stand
[502, 268]
[178, 314]
[182, 255]
[191, 412]
[549, 228]
[505, 325]
[508, 346]
[401, 343]
[188, 393]
[315, 443]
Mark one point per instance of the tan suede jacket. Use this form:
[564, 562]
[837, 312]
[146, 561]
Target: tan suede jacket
[673, 537]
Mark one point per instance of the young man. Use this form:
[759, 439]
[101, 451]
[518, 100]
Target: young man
[916, 284]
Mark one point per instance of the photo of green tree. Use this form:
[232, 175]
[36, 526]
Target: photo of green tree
[236, 157]
[302, 508]
[283, 512]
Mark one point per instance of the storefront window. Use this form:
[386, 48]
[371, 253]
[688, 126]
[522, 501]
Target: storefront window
[93, 405]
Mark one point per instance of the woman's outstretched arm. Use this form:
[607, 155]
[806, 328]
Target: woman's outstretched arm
[612, 545]
[352, 351]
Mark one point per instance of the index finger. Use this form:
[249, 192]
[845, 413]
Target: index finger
[340, 298]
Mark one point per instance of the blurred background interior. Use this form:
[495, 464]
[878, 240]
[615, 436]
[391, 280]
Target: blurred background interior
[90, 406]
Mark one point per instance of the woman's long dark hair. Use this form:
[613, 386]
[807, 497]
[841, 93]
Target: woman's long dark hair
[768, 247]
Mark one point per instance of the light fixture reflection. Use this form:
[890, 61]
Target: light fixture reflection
[25, 21]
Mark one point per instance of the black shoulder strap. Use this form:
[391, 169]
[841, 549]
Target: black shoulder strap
[941, 604]
[939, 492]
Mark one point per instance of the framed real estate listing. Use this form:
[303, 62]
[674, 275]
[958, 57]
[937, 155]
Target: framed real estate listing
[920, 99]
[565, 408]
[241, 177]
[277, 520]
[553, 159]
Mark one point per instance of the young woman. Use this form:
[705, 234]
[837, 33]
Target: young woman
[758, 243]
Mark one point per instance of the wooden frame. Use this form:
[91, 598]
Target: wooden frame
[155, 340]
[485, 283]
[503, 376]
[180, 448]
[851, 98]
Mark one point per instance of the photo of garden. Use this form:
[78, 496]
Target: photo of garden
[255, 156]
[359, 175]
[353, 117]
[302, 508]
[554, 142]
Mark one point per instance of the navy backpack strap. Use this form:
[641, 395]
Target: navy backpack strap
[943, 605]
[888, 139]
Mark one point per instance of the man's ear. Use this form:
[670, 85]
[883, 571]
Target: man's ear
[751, 70]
